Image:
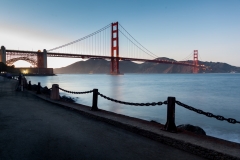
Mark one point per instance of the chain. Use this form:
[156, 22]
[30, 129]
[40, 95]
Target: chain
[75, 92]
[133, 104]
[208, 114]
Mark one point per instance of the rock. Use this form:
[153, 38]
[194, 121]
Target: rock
[34, 87]
[67, 99]
[191, 128]
[45, 90]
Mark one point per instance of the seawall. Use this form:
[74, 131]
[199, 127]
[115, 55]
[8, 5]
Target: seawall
[204, 146]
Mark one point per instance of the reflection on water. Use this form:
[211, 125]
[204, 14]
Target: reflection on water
[215, 93]
[115, 91]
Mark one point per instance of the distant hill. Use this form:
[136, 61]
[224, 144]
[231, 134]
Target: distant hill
[219, 67]
[103, 66]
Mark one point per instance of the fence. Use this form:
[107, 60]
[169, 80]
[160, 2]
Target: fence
[171, 101]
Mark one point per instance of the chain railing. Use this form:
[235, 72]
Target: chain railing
[133, 104]
[208, 114]
[171, 101]
[85, 92]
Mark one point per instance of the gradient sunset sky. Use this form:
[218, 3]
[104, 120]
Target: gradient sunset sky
[168, 28]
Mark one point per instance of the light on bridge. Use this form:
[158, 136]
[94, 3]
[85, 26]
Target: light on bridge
[25, 71]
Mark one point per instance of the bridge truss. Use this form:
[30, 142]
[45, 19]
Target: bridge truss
[13, 55]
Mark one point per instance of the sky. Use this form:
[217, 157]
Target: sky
[168, 28]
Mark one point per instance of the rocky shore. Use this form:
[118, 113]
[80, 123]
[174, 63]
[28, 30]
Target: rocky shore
[47, 91]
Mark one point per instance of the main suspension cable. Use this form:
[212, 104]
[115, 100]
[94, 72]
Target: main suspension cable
[94, 33]
[138, 42]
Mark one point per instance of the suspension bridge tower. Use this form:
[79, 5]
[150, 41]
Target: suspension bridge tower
[195, 61]
[114, 50]
[3, 54]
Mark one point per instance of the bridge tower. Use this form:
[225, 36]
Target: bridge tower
[3, 55]
[195, 61]
[42, 59]
[114, 50]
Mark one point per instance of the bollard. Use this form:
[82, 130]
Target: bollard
[29, 86]
[55, 92]
[21, 84]
[94, 100]
[38, 88]
[25, 83]
[170, 124]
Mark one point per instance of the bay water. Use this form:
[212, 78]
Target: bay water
[215, 93]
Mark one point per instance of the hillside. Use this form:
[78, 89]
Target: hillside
[103, 66]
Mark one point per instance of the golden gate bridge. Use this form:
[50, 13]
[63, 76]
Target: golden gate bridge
[102, 44]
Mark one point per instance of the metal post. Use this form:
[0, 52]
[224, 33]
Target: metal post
[38, 88]
[29, 86]
[170, 124]
[95, 99]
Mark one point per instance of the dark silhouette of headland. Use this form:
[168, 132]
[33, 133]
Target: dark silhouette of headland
[101, 66]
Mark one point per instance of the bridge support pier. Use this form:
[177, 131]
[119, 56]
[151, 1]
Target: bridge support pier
[3, 55]
[42, 59]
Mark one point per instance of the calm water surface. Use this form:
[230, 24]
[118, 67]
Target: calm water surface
[215, 93]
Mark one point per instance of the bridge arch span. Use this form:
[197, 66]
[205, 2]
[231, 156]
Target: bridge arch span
[32, 61]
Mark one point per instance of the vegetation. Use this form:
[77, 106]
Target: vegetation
[8, 69]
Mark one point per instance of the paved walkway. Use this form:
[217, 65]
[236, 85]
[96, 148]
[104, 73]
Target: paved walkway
[31, 128]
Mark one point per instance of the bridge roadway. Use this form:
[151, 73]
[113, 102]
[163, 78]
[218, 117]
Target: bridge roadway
[31, 128]
[83, 56]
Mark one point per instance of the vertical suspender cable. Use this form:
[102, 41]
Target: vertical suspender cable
[100, 43]
[95, 45]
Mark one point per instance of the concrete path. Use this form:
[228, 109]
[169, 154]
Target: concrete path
[31, 128]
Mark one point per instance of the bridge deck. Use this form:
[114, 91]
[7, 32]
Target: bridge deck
[84, 56]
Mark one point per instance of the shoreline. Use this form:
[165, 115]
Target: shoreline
[211, 125]
[39, 74]
[203, 146]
